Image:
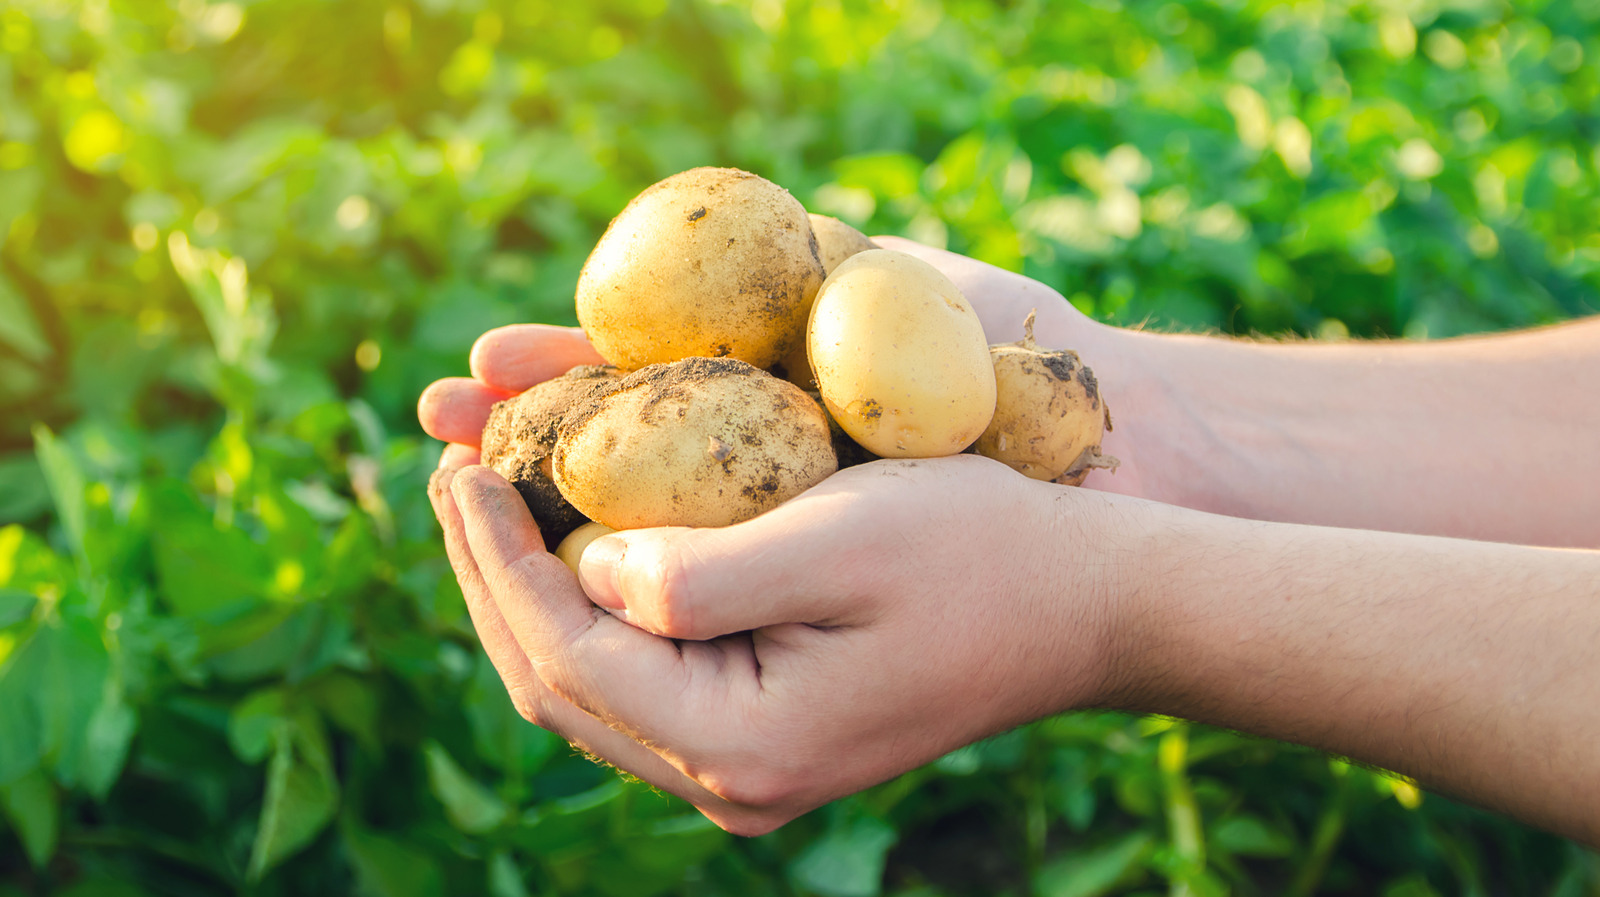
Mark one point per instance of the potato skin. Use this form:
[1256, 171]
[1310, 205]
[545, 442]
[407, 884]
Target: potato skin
[700, 442]
[521, 435]
[711, 262]
[570, 551]
[1049, 417]
[836, 241]
[900, 357]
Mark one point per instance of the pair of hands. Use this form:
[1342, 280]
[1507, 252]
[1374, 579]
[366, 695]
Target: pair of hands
[893, 613]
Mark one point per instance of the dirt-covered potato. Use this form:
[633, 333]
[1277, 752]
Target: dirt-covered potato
[900, 357]
[836, 241]
[700, 442]
[1049, 417]
[570, 551]
[521, 435]
[711, 262]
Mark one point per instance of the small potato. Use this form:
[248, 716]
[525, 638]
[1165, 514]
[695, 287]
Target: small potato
[836, 241]
[1049, 417]
[521, 435]
[900, 357]
[570, 551]
[711, 262]
[700, 442]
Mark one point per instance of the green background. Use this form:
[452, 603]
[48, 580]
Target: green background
[240, 238]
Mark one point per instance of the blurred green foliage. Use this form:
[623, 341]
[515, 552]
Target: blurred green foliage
[240, 238]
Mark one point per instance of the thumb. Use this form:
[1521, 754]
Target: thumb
[699, 584]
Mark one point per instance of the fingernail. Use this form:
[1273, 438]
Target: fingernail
[597, 571]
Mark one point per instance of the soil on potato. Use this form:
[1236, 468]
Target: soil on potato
[521, 434]
[662, 394]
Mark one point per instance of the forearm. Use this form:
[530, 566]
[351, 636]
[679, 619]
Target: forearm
[1485, 438]
[1470, 666]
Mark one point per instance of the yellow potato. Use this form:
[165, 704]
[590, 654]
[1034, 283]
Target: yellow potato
[700, 442]
[900, 357]
[711, 262]
[570, 551]
[1049, 416]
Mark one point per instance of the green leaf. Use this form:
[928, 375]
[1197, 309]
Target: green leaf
[65, 480]
[254, 724]
[351, 704]
[1096, 871]
[1250, 836]
[505, 879]
[19, 329]
[23, 493]
[204, 571]
[20, 741]
[102, 888]
[105, 746]
[51, 689]
[387, 867]
[16, 606]
[301, 796]
[470, 806]
[499, 733]
[847, 861]
[33, 806]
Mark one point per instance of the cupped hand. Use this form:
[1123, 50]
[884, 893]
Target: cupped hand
[893, 613]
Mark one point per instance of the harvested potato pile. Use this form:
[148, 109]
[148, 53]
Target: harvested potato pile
[715, 275]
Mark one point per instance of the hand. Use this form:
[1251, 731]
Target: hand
[885, 617]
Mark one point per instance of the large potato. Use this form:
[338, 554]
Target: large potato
[521, 435]
[700, 442]
[711, 262]
[900, 357]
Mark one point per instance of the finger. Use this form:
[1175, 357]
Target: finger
[642, 685]
[794, 564]
[456, 456]
[520, 356]
[456, 408]
[542, 707]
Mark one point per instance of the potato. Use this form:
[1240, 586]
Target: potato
[700, 442]
[1049, 417]
[711, 262]
[900, 357]
[570, 551]
[521, 435]
[836, 241]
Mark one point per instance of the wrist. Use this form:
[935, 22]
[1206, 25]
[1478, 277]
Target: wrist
[1166, 577]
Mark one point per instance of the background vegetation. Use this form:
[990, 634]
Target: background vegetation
[239, 238]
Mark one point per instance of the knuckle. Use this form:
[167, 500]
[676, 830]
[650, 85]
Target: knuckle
[668, 592]
[530, 707]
